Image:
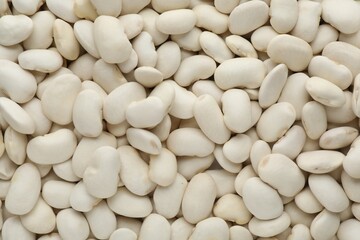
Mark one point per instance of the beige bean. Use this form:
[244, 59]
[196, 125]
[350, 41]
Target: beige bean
[240, 72]
[182, 106]
[163, 168]
[11, 53]
[25, 185]
[308, 21]
[206, 108]
[183, 19]
[168, 59]
[338, 137]
[110, 39]
[189, 142]
[193, 69]
[351, 186]
[328, 192]
[298, 52]
[224, 162]
[282, 174]
[262, 36]
[181, 229]
[233, 152]
[81, 200]
[214, 227]
[155, 226]
[143, 140]
[190, 166]
[262, 227]
[320, 161]
[325, 34]
[111, 8]
[291, 143]
[144, 47]
[355, 96]
[314, 119]
[209, 18]
[72, 224]
[133, 24]
[307, 202]
[207, 87]
[64, 171]
[240, 232]
[42, 123]
[325, 225]
[351, 164]
[150, 17]
[283, 15]
[261, 200]
[167, 200]
[57, 193]
[226, 6]
[148, 76]
[343, 114]
[123, 233]
[188, 41]
[63, 9]
[130, 64]
[7, 167]
[84, 33]
[12, 229]
[85, 9]
[348, 229]
[53, 148]
[27, 7]
[215, 47]
[258, 150]
[199, 197]
[21, 25]
[336, 73]
[66, 44]
[240, 46]
[247, 17]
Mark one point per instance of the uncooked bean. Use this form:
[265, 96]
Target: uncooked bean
[348, 229]
[214, 228]
[57, 193]
[307, 202]
[63, 9]
[13, 229]
[209, 18]
[85, 9]
[240, 232]
[168, 59]
[181, 229]
[283, 15]
[262, 36]
[233, 152]
[269, 228]
[207, 87]
[190, 166]
[314, 119]
[183, 19]
[338, 137]
[247, 17]
[123, 233]
[224, 162]
[144, 47]
[150, 17]
[111, 8]
[21, 25]
[188, 41]
[293, 51]
[66, 44]
[215, 47]
[261, 200]
[155, 226]
[351, 186]
[148, 76]
[84, 33]
[240, 46]
[320, 161]
[325, 225]
[259, 149]
[292, 143]
[72, 224]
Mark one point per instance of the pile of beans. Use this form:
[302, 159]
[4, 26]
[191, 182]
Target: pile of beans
[179, 119]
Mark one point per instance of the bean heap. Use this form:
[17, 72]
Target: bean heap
[179, 119]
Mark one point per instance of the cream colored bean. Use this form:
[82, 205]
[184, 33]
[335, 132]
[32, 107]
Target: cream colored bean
[146, 113]
[334, 72]
[270, 129]
[272, 85]
[240, 46]
[183, 102]
[325, 225]
[148, 76]
[155, 226]
[328, 192]
[25, 185]
[226, 6]
[52, 148]
[343, 16]
[85, 9]
[283, 15]
[116, 103]
[84, 33]
[86, 147]
[269, 228]
[129, 64]
[355, 96]
[150, 17]
[101, 177]
[111, 8]
[133, 165]
[7, 167]
[27, 7]
[224, 181]
[299, 50]
[231, 207]
[207, 87]
[189, 142]
[214, 228]
[81, 200]
[350, 38]
[325, 92]
[163, 5]
[343, 114]
[130, 223]
[314, 119]
[291, 143]
[57, 193]
[15, 145]
[110, 40]
[198, 198]
[144, 47]
[338, 137]
[123, 233]
[193, 69]
[168, 59]
[143, 140]
[240, 232]
[261, 200]
[345, 54]
[183, 19]
[34, 220]
[167, 200]
[348, 229]
[58, 98]
[133, 24]
[19, 84]
[128, 204]
[320, 161]
[163, 168]
[16, 116]
[102, 220]
[282, 174]
[209, 18]
[240, 72]
[87, 113]
[21, 25]
[13, 229]
[41, 35]
[233, 152]
[224, 162]
[294, 92]
[65, 40]
[307, 202]
[215, 47]
[63, 9]
[204, 108]
[351, 164]
[188, 41]
[190, 166]
[72, 224]
[262, 36]
[326, 34]
[42, 123]
[351, 186]
[259, 149]
[247, 17]
[181, 229]
[10, 53]
[308, 21]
